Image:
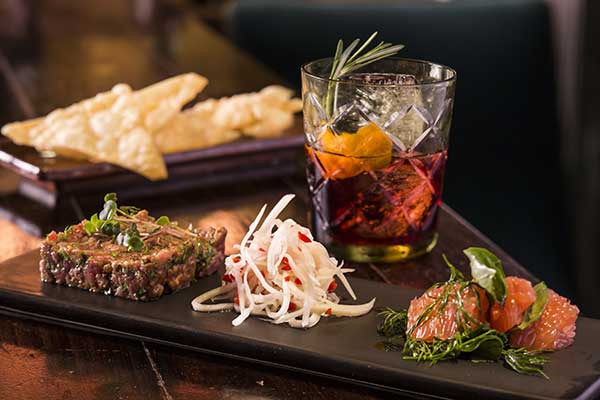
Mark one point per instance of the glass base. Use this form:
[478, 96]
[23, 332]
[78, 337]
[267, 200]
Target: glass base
[382, 254]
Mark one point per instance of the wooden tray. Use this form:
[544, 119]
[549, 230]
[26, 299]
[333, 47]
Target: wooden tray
[47, 180]
[339, 348]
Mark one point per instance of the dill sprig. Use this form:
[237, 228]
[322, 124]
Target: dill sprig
[482, 344]
[394, 322]
[525, 362]
[473, 338]
[344, 62]
[455, 274]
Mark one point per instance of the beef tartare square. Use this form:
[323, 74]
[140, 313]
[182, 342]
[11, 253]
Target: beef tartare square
[125, 252]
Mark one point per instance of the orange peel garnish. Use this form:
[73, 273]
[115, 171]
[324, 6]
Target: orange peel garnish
[350, 154]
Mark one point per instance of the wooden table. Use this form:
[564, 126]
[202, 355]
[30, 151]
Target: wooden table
[77, 49]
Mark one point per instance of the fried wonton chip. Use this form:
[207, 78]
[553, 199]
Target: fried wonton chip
[262, 114]
[18, 132]
[115, 126]
[211, 122]
[192, 130]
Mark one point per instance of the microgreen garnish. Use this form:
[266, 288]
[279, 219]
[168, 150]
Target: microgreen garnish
[108, 211]
[473, 339]
[483, 344]
[344, 62]
[97, 224]
[163, 220]
[122, 222]
[110, 196]
[487, 272]
[130, 210]
[130, 239]
[104, 221]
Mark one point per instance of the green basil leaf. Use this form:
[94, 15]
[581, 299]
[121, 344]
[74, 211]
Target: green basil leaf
[487, 272]
[490, 349]
[534, 311]
[487, 347]
[110, 197]
[163, 220]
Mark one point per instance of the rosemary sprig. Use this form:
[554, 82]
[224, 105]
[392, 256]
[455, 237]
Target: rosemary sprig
[344, 62]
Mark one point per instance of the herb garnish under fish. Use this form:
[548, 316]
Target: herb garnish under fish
[481, 319]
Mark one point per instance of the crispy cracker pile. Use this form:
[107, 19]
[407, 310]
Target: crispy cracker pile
[133, 129]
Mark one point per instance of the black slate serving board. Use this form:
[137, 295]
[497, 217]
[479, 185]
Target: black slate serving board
[344, 348]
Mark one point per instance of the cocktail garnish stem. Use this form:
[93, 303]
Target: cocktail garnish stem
[345, 62]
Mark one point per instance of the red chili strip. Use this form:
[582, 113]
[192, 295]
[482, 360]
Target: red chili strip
[304, 238]
[332, 286]
[285, 265]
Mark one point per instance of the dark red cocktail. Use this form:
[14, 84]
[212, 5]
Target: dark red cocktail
[376, 143]
[372, 202]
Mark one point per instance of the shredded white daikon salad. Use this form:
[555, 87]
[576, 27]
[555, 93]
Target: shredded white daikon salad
[282, 274]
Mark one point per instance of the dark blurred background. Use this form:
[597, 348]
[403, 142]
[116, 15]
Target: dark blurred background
[524, 157]
[524, 149]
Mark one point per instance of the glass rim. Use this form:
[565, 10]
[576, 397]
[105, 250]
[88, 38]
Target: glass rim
[304, 70]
